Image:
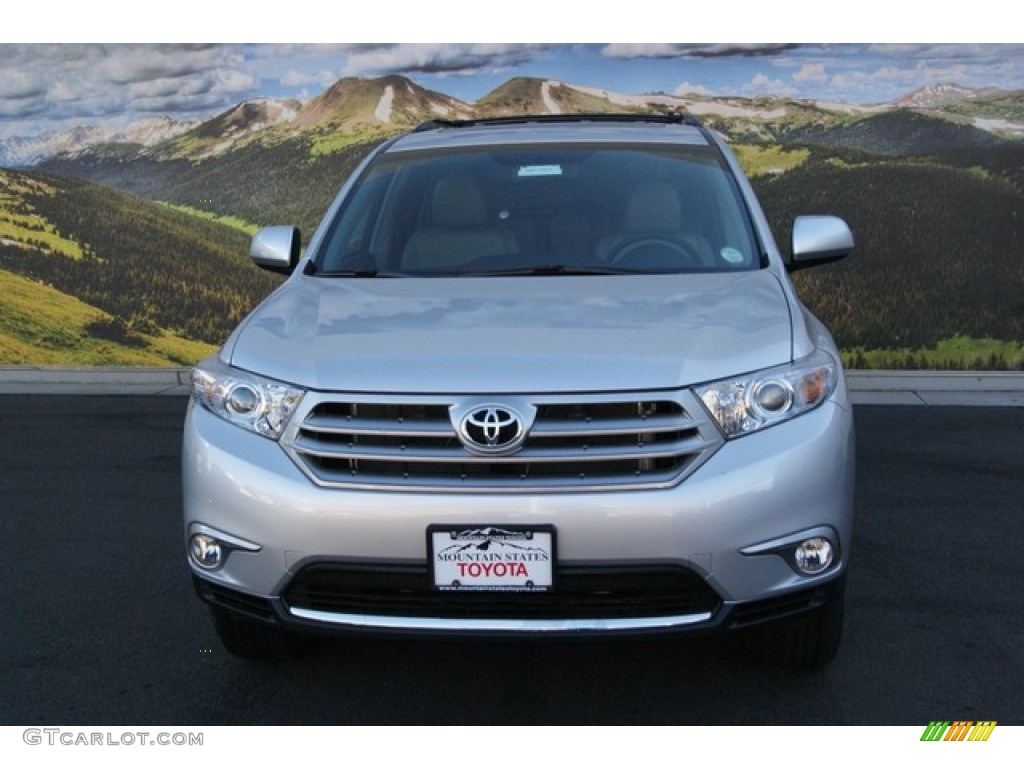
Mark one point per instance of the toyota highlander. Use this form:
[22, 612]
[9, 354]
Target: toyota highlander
[531, 376]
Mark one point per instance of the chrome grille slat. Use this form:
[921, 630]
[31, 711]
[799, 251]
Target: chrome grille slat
[510, 484]
[527, 455]
[650, 424]
[577, 442]
[355, 426]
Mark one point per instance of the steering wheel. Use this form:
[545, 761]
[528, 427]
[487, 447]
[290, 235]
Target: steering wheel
[645, 245]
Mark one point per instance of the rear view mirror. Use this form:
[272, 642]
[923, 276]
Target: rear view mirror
[276, 248]
[819, 240]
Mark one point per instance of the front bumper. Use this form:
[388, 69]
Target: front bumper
[685, 542]
[275, 611]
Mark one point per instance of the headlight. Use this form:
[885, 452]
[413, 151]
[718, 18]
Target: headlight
[745, 404]
[250, 401]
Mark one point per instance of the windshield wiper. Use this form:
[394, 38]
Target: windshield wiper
[359, 273]
[544, 270]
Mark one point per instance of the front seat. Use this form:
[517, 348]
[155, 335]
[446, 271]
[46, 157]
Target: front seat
[654, 234]
[459, 230]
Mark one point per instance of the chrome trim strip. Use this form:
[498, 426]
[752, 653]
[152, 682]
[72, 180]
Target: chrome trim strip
[499, 625]
[225, 538]
[336, 425]
[679, 448]
[645, 425]
[599, 484]
[791, 540]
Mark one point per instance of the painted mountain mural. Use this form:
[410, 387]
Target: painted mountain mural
[130, 247]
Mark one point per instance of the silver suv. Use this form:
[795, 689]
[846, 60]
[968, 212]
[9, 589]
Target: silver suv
[536, 375]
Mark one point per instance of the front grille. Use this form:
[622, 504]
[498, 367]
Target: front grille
[598, 442]
[582, 592]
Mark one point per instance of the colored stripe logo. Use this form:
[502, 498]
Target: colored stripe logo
[959, 730]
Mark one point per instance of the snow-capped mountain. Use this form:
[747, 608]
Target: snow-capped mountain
[350, 105]
[375, 107]
[248, 117]
[29, 150]
[939, 95]
[382, 101]
[152, 130]
[232, 128]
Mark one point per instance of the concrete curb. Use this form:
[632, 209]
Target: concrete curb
[935, 388]
[866, 387]
[97, 380]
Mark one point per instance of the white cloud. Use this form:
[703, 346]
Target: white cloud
[299, 50]
[132, 64]
[694, 50]
[62, 91]
[16, 85]
[438, 58]
[811, 73]
[761, 84]
[164, 86]
[640, 50]
[101, 81]
[686, 88]
[293, 78]
[232, 81]
[22, 108]
[946, 51]
[887, 76]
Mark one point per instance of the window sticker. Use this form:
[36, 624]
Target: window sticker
[732, 255]
[540, 170]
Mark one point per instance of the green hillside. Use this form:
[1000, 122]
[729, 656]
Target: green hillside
[937, 256]
[769, 120]
[938, 239]
[896, 133]
[146, 269]
[20, 223]
[285, 183]
[39, 325]
[1002, 105]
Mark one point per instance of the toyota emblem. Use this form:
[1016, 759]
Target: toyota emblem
[492, 429]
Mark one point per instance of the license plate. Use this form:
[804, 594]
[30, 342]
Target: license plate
[492, 558]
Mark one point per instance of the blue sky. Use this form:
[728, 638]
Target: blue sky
[47, 86]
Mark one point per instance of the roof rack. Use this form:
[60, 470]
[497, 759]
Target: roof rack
[672, 118]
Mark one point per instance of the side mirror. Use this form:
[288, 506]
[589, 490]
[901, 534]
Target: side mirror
[276, 249]
[819, 240]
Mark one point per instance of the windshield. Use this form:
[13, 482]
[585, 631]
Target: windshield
[541, 209]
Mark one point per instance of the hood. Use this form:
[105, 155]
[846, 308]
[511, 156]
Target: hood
[515, 334]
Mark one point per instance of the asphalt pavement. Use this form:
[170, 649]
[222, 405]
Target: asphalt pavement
[100, 626]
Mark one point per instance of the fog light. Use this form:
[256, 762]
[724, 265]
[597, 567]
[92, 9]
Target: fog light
[206, 551]
[813, 555]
